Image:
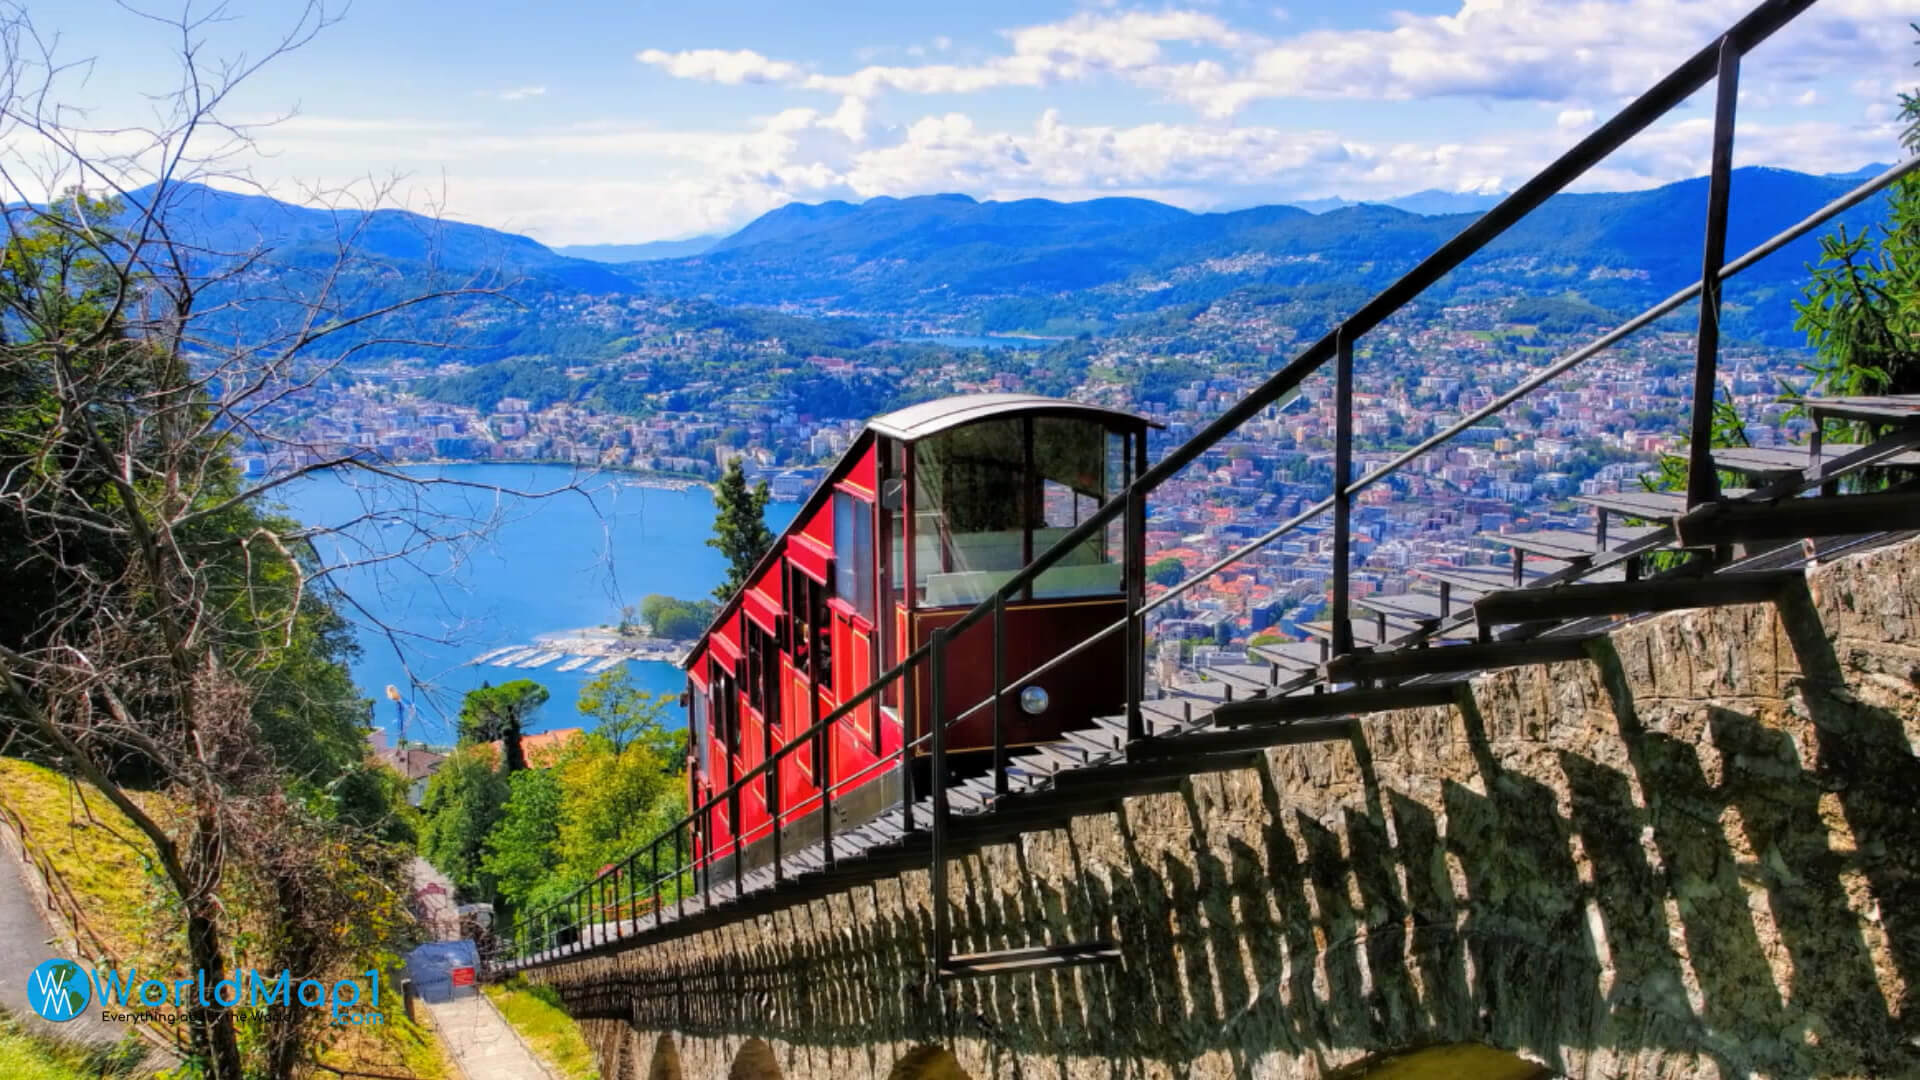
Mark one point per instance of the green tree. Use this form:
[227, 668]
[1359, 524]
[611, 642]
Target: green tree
[465, 800]
[1861, 311]
[670, 618]
[500, 713]
[612, 803]
[522, 849]
[1168, 571]
[739, 527]
[624, 715]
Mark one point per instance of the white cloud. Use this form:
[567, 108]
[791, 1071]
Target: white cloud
[519, 93]
[657, 183]
[1574, 119]
[1555, 51]
[730, 66]
[1076, 48]
[856, 134]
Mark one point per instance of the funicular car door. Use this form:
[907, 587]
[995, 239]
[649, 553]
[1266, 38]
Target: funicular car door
[761, 690]
[854, 609]
[807, 663]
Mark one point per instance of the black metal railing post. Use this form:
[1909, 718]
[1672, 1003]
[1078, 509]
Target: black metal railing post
[822, 759]
[679, 868]
[633, 898]
[937, 878]
[1133, 534]
[1703, 482]
[1342, 501]
[906, 757]
[772, 783]
[653, 874]
[739, 840]
[705, 858]
[999, 694]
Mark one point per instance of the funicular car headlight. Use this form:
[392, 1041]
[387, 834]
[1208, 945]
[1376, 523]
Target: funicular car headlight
[1033, 701]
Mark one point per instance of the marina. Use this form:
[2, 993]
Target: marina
[589, 651]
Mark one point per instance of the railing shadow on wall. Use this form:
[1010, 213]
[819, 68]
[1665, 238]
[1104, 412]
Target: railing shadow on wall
[647, 899]
[1279, 933]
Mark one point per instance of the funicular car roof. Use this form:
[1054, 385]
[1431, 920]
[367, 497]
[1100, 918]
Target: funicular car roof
[932, 417]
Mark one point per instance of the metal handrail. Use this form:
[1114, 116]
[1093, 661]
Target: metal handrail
[1690, 76]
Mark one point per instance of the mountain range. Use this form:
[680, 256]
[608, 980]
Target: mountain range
[1041, 265]
[652, 249]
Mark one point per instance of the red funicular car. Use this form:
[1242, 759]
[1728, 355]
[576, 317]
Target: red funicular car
[930, 510]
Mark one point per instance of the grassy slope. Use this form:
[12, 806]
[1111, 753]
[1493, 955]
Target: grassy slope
[105, 861]
[31, 1055]
[547, 1028]
[396, 1048]
[94, 848]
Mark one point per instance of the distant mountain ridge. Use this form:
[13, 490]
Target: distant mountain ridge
[230, 222]
[1038, 265]
[652, 249]
[1428, 202]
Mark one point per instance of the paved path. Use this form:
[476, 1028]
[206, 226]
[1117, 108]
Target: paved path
[26, 940]
[476, 1034]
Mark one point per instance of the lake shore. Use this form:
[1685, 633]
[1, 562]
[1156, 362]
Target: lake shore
[604, 641]
[646, 478]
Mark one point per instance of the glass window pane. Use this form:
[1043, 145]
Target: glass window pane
[853, 559]
[1073, 466]
[699, 733]
[970, 531]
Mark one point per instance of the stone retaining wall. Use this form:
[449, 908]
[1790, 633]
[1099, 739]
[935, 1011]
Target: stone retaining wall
[1693, 854]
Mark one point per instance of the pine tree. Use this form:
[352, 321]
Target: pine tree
[1861, 311]
[739, 527]
[500, 713]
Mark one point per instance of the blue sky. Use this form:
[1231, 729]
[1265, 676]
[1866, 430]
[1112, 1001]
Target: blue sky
[596, 121]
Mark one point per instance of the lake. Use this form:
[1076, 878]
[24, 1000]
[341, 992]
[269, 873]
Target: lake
[560, 562]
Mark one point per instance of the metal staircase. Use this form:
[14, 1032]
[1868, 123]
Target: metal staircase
[1558, 590]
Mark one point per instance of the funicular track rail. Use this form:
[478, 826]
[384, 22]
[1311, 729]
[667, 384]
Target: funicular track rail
[1409, 651]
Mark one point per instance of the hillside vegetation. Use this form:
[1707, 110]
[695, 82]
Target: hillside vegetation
[36, 1055]
[535, 1012]
[98, 853]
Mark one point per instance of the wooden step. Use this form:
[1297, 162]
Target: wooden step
[1661, 506]
[1899, 409]
[1290, 656]
[1099, 740]
[1469, 582]
[1248, 677]
[1629, 597]
[1412, 607]
[1566, 545]
[1797, 519]
[1365, 631]
[1450, 659]
[1777, 461]
[1310, 706]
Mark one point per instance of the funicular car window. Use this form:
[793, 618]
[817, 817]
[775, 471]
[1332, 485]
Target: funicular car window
[983, 505]
[698, 722]
[1071, 469]
[853, 557]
